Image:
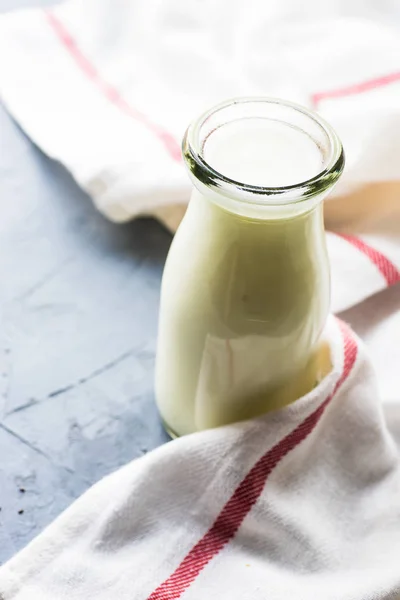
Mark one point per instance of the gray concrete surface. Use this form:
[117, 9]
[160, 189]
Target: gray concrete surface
[79, 301]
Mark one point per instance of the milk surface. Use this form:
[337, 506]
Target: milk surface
[262, 152]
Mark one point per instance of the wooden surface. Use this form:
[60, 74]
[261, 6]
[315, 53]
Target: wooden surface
[79, 301]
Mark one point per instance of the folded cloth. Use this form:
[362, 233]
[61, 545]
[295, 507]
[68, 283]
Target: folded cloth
[303, 502]
[108, 87]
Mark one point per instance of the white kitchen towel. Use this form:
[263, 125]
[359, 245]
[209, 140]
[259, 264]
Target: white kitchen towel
[301, 503]
[108, 87]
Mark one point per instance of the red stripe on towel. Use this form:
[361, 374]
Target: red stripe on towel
[248, 492]
[108, 90]
[389, 270]
[356, 88]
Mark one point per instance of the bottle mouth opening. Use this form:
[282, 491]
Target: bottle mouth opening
[270, 112]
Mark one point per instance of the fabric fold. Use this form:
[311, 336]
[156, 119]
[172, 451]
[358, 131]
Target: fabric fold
[285, 503]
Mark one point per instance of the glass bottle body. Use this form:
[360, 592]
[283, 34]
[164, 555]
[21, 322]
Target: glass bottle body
[244, 302]
[246, 287]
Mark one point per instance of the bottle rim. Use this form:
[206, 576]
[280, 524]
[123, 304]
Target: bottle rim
[275, 109]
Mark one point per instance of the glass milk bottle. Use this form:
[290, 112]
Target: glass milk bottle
[246, 286]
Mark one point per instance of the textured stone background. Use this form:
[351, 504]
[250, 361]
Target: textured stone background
[78, 304]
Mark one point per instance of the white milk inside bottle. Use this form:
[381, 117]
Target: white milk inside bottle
[245, 292]
[262, 153]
